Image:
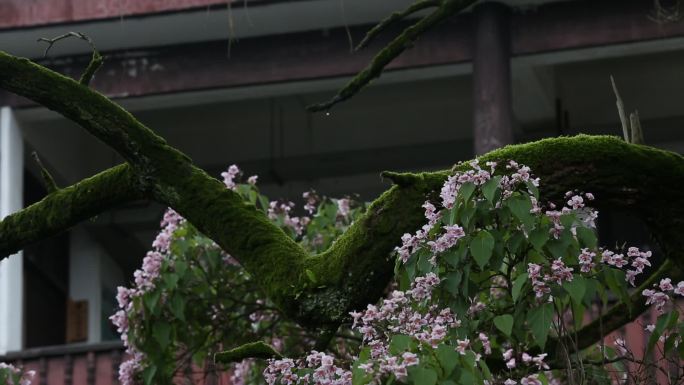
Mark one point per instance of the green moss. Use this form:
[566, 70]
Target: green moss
[257, 349]
[66, 207]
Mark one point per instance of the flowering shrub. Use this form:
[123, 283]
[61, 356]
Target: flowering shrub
[484, 285]
[493, 279]
[11, 375]
[188, 290]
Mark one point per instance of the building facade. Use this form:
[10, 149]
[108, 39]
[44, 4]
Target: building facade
[227, 82]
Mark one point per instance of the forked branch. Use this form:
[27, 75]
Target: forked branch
[95, 61]
[395, 17]
[395, 48]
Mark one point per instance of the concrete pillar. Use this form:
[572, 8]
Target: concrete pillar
[11, 200]
[492, 115]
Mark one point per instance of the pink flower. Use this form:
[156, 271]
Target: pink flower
[462, 345]
[448, 239]
[531, 380]
[576, 202]
[229, 176]
[343, 207]
[510, 364]
[639, 263]
[409, 359]
[621, 346]
[630, 275]
[680, 288]
[666, 284]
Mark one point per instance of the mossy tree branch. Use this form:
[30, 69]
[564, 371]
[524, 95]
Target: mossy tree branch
[66, 207]
[356, 269]
[395, 48]
[169, 177]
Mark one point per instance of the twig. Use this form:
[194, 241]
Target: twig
[95, 61]
[394, 17]
[621, 111]
[48, 180]
[392, 50]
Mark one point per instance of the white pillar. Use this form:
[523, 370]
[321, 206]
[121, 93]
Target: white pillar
[11, 200]
[85, 278]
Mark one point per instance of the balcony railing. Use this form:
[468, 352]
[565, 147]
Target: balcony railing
[75, 364]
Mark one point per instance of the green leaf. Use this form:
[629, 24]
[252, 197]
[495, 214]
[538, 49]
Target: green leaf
[538, 237]
[162, 333]
[532, 188]
[665, 322]
[559, 247]
[615, 279]
[466, 215]
[148, 374]
[170, 279]
[465, 192]
[539, 320]
[422, 376]
[424, 265]
[587, 237]
[310, 274]
[518, 284]
[489, 188]
[448, 358]
[481, 247]
[578, 310]
[455, 255]
[465, 287]
[514, 243]
[359, 376]
[520, 207]
[504, 323]
[453, 282]
[151, 298]
[178, 307]
[180, 267]
[400, 343]
[576, 288]
[486, 373]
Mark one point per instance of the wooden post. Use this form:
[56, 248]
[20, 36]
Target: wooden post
[492, 115]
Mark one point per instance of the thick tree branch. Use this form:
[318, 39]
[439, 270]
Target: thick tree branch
[63, 208]
[356, 269]
[393, 50]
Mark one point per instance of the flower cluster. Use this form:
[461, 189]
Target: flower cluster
[145, 280]
[317, 368]
[13, 375]
[662, 293]
[282, 210]
[232, 173]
